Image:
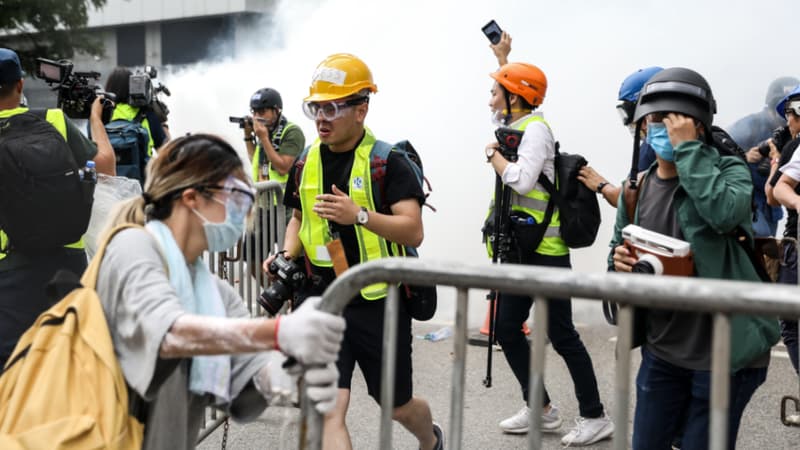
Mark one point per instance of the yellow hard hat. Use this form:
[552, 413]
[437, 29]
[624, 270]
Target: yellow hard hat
[339, 76]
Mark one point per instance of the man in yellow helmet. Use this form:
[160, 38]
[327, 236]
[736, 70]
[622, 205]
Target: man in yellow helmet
[329, 188]
[25, 271]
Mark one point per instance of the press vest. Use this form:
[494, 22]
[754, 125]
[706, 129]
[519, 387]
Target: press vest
[314, 232]
[273, 174]
[124, 111]
[56, 118]
[534, 203]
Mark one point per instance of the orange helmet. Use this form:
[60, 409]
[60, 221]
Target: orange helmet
[523, 79]
[339, 75]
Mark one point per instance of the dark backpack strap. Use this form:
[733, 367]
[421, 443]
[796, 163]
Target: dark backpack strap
[741, 238]
[630, 197]
[378, 160]
[299, 164]
[555, 198]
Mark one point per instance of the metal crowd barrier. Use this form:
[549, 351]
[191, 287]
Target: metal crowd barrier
[718, 297]
[235, 265]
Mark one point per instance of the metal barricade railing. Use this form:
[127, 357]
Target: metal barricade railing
[718, 297]
[243, 263]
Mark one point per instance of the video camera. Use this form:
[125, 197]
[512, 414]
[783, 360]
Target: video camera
[76, 90]
[658, 254]
[291, 276]
[143, 92]
[509, 140]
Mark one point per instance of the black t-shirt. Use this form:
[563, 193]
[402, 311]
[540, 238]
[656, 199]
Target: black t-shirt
[790, 230]
[399, 183]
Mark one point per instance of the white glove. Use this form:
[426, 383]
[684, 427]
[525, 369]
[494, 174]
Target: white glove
[277, 384]
[322, 387]
[310, 335]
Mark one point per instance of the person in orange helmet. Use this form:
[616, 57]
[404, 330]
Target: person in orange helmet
[327, 189]
[519, 89]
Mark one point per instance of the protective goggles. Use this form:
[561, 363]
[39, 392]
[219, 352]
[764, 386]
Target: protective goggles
[238, 195]
[331, 111]
[625, 111]
[792, 107]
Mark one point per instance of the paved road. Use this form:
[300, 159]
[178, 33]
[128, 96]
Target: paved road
[761, 427]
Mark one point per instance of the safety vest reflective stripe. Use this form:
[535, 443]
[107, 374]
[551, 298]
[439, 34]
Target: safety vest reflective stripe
[124, 111]
[534, 203]
[314, 232]
[273, 174]
[56, 118]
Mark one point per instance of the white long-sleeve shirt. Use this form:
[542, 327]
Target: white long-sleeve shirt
[536, 154]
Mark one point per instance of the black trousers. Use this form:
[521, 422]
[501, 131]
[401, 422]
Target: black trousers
[514, 310]
[23, 293]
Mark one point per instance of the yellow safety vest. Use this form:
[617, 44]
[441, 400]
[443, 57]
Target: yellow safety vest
[534, 203]
[124, 111]
[314, 232]
[56, 118]
[273, 174]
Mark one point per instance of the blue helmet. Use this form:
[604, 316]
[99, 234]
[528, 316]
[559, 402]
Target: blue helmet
[629, 91]
[782, 104]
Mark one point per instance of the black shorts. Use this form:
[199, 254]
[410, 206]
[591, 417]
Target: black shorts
[363, 344]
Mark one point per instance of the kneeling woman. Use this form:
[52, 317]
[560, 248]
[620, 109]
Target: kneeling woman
[183, 337]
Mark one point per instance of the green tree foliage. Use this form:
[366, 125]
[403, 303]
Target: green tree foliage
[52, 29]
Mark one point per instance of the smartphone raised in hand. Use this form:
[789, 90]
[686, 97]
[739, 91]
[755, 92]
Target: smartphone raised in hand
[492, 32]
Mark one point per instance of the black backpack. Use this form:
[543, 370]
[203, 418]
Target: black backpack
[44, 204]
[579, 210]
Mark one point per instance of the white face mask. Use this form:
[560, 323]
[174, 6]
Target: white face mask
[498, 118]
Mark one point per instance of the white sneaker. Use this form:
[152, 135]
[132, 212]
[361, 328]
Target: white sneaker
[519, 423]
[589, 431]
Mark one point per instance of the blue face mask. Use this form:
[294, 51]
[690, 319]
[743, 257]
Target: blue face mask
[222, 236]
[658, 139]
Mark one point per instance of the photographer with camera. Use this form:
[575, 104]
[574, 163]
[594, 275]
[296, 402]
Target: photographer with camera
[754, 133]
[693, 194]
[784, 189]
[41, 222]
[518, 90]
[272, 141]
[335, 226]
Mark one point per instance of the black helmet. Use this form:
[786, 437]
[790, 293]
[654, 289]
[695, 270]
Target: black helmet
[677, 90]
[778, 89]
[266, 98]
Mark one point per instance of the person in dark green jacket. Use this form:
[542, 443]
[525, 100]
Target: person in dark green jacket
[691, 193]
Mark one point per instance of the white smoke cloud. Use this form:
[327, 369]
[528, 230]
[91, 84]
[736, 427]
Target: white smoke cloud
[431, 64]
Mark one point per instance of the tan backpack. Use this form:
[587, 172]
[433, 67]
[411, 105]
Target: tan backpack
[62, 387]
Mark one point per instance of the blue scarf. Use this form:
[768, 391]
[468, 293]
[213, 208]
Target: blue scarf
[199, 295]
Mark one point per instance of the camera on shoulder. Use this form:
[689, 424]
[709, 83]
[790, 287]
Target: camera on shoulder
[657, 253]
[76, 90]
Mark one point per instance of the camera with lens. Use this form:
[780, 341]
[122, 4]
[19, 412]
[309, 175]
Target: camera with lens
[242, 121]
[658, 254]
[76, 90]
[509, 140]
[290, 276]
[143, 92]
[780, 136]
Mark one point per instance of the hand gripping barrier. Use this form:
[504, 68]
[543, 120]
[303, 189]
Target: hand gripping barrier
[718, 297]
